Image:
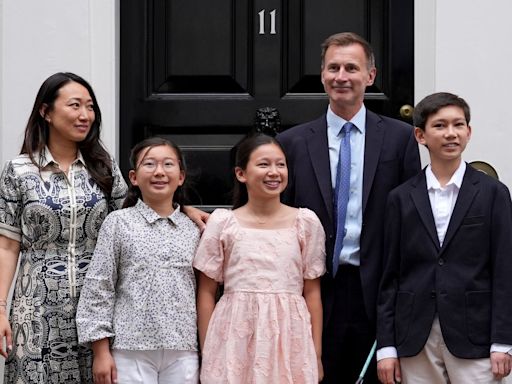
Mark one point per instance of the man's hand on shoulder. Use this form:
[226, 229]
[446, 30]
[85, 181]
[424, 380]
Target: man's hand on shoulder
[196, 215]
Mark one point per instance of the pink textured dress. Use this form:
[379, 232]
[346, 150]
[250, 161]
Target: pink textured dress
[260, 330]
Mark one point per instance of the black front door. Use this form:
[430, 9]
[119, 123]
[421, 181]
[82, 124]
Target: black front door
[196, 71]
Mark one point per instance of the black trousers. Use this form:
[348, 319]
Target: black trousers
[348, 336]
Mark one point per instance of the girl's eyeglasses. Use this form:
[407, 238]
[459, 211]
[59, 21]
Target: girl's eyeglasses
[150, 165]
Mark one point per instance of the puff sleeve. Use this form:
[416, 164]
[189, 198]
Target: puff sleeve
[312, 244]
[210, 253]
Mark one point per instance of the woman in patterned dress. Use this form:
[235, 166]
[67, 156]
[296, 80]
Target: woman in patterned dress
[53, 198]
[138, 302]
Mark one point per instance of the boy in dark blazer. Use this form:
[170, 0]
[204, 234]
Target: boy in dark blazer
[444, 305]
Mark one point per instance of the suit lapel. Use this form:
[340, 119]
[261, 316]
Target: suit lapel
[467, 193]
[374, 133]
[318, 148]
[419, 195]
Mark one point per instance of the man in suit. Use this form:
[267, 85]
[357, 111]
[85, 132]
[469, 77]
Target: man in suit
[382, 154]
[445, 300]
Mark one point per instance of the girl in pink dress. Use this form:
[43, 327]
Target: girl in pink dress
[267, 326]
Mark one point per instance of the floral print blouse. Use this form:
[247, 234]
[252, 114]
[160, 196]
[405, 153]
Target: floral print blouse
[140, 287]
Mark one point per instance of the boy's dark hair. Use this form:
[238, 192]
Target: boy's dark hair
[244, 150]
[134, 192]
[37, 131]
[433, 103]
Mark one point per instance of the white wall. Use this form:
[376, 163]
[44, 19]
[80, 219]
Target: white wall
[464, 47]
[39, 38]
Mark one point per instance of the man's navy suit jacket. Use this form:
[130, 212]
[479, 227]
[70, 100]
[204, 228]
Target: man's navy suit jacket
[391, 157]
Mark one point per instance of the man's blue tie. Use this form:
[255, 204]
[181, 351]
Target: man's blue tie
[341, 193]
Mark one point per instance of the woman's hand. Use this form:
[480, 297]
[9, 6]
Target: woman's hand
[9, 254]
[5, 331]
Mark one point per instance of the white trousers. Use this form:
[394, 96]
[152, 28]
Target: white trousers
[436, 365]
[156, 367]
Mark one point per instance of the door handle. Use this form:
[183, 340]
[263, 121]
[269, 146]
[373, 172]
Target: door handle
[406, 111]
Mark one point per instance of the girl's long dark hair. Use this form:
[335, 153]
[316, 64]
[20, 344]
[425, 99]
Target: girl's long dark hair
[37, 131]
[243, 153]
[144, 146]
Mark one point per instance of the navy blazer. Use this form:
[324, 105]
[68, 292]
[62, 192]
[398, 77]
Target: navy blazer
[467, 281]
[391, 156]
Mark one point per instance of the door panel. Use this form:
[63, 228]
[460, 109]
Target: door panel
[196, 71]
[203, 49]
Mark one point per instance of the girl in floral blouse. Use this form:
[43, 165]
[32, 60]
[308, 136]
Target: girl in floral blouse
[138, 302]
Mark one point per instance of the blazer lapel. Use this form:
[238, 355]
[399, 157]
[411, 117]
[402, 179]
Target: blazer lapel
[419, 195]
[467, 193]
[374, 134]
[319, 154]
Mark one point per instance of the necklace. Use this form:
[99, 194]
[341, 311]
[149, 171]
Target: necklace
[259, 220]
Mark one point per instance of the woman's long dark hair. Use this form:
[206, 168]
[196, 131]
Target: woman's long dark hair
[243, 153]
[37, 131]
[144, 146]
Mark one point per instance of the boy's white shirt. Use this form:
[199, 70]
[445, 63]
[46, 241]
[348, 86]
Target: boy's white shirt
[442, 202]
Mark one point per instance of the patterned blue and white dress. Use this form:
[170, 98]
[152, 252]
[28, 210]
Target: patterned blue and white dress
[56, 218]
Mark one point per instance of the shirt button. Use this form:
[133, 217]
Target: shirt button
[440, 261]
[433, 294]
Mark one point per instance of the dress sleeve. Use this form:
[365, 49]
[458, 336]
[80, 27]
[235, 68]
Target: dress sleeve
[209, 257]
[119, 188]
[95, 312]
[312, 244]
[11, 204]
